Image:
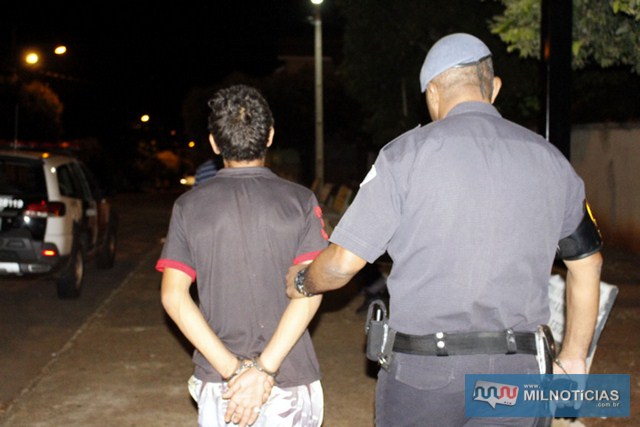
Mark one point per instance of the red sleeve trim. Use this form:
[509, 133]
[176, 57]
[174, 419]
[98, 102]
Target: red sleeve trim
[168, 263]
[310, 256]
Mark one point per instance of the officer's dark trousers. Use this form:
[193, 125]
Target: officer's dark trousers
[423, 391]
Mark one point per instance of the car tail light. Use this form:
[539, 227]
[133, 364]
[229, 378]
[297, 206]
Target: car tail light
[45, 209]
[49, 252]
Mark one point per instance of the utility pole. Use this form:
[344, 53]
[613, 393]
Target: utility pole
[319, 162]
[555, 43]
[16, 81]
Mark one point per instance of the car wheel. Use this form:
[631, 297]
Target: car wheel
[70, 283]
[107, 255]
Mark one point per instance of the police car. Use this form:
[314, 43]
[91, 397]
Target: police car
[53, 218]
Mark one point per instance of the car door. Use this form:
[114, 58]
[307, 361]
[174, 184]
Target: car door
[89, 206]
[61, 231]
[102, 204]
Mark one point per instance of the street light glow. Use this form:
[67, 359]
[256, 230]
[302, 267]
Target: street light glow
[144, 118]
[317, 1]
[31, 58]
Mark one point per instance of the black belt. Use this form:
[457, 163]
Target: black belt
[466, 343]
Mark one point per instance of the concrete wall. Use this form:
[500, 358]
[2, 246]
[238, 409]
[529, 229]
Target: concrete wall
[607, 157]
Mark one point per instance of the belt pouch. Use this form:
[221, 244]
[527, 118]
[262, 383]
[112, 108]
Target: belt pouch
[546, 347]
[379, 335]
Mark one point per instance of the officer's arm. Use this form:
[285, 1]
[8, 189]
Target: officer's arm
[581, 254]
[332, 269]
[582, 301]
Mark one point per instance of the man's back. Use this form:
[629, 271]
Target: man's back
[240, 218]
[244, 228]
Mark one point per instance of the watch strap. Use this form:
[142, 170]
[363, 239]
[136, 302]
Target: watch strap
[299, 282]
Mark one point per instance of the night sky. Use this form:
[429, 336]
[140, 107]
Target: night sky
[129, 58]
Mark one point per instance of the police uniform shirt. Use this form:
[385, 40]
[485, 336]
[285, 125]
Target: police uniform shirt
[236, 235]
[470, 209]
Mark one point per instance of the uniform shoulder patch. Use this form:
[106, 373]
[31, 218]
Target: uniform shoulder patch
[370, 175]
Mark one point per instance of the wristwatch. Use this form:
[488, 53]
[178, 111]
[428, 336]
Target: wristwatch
[299, 282]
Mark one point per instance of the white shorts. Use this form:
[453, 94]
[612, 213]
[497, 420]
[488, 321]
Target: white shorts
[301, 406]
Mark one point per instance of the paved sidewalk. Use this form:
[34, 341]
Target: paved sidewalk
[124, 367]
[127, 366]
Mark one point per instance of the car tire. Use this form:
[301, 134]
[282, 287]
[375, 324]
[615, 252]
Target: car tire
[107, 255]
[70, 282]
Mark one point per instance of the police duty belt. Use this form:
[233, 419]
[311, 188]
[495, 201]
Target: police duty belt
[466, 343]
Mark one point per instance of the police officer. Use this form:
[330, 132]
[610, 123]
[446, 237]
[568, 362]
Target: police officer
[472, 209]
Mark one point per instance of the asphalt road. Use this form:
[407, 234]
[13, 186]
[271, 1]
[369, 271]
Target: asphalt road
[35, 324]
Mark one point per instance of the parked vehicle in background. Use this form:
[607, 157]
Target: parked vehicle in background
[53, 218]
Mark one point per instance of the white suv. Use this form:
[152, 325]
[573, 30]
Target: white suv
[53, 217]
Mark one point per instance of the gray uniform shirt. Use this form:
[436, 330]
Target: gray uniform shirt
[470, 209]
[236, 235]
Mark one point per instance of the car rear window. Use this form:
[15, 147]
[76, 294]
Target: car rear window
[22, 177]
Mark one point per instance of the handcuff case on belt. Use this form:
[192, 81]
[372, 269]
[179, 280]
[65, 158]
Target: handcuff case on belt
[546, 347]
[380, 336]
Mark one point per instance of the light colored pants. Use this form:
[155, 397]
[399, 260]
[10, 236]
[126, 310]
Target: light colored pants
[301, 406]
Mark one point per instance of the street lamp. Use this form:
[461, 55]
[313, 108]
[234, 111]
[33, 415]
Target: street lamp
[32, 59]
[317, 23]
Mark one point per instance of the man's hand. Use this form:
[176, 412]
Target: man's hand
[247, 392]
[292, 292]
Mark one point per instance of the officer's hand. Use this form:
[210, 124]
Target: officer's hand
[569, 374]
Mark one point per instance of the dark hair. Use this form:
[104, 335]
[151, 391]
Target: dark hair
[240, 122]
